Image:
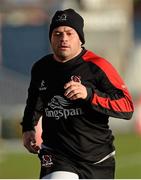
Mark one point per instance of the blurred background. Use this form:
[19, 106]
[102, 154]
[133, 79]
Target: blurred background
[112, 30]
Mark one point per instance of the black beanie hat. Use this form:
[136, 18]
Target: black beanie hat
[69, 18]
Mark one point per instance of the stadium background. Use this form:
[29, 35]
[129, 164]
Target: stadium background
[112, 29]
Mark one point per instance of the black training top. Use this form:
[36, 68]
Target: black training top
[79, 128]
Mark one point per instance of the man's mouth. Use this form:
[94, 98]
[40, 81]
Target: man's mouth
[63, 47]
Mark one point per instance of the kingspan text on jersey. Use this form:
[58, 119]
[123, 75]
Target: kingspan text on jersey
[59, 113]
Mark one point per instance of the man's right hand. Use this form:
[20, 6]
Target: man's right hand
[29, 141]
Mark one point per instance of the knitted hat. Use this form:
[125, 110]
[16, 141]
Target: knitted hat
[69, 18]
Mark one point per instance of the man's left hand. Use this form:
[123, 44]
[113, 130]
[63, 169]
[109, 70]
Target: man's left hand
[75, 90]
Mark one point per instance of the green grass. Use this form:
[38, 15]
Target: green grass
[26, 165]
[19, 166]
[128, 155]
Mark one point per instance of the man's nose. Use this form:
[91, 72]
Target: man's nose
[64, 37]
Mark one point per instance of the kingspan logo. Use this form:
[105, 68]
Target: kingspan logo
[59, 107]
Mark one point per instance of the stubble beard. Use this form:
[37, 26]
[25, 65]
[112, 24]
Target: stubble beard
[63, 55]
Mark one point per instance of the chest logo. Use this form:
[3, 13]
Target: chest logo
[43, 86]
[58, 107]
[58, 102]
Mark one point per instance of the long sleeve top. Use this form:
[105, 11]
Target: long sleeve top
[79, 128]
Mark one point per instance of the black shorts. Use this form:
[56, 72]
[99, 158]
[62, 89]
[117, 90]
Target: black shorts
[51, 162]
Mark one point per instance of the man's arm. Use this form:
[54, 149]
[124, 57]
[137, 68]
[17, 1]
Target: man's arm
[32, 114]
[111, 95]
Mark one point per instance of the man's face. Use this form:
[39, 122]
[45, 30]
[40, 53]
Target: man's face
[65, 43]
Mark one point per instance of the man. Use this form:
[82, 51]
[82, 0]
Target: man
[75, 91]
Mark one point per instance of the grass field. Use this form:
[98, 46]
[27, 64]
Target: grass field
[128, 155]
[23, 165]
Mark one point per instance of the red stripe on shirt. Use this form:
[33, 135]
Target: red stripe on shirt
[121, 105]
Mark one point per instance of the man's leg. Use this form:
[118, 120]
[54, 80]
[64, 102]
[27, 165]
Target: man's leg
[103, 170]
[61, 175]
[55, 166]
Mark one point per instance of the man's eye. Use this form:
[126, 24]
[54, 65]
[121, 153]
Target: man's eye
[57, 34]
[69, 34]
